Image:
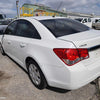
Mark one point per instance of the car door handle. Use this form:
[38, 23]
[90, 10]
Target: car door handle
[22, 45]
[9, 42]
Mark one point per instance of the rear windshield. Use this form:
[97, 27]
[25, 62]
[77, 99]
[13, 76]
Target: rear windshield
[62, 27]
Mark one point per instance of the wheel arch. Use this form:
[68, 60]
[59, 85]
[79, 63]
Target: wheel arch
[31, 58]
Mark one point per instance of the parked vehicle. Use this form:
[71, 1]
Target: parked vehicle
[2, 16]
[56, 51]
[3, 25]
[86, 21]
[96, 24]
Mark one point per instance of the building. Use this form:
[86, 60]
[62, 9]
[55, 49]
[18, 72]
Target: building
[28, 10]
[78, 15]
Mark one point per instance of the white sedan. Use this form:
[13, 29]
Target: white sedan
[55, 51]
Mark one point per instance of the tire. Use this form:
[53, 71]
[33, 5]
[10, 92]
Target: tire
[35, 74]
[1, 49]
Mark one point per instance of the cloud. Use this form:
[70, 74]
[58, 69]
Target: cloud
[83, 6]
[7, 5]
[8, 11]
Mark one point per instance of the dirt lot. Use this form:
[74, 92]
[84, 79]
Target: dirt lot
[15, 85]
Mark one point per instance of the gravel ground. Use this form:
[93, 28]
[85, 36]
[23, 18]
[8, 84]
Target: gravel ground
[15, 85]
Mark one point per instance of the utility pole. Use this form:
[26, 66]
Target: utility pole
[17, 8]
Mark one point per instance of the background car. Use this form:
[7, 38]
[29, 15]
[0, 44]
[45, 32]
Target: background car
[3, 25]
[2, 16]
[96, 24]
[86, 21]
[55, 51]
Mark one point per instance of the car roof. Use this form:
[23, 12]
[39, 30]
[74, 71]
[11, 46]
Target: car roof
[42, 17]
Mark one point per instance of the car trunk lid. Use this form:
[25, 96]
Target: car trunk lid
[85, 39]
[91, 41]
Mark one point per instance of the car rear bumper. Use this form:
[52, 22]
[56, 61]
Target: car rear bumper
[70, 78]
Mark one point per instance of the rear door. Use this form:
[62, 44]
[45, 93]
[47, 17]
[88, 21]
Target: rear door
[9, 37]
[25, 34]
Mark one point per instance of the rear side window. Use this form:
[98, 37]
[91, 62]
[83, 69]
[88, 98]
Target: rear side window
[26, 29]
[62, 27]
[11, 28]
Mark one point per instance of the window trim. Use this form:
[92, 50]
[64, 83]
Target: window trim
[33, 26]
[7, 28]
[17, 26]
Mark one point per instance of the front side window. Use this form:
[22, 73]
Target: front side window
[11, 28]
[26, 29]
[85, 20]
[89, 19]
[62, 27]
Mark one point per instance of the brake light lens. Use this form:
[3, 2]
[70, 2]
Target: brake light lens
[71, 56]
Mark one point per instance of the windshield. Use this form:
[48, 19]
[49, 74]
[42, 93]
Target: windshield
[62, 27]
[79, 19]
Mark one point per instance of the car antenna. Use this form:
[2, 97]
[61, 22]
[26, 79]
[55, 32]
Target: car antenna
[59, 6]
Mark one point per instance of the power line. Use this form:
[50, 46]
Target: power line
[60, 5]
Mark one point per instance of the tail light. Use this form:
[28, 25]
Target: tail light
[71, 56]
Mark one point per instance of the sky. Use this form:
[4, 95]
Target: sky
[83, 6]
